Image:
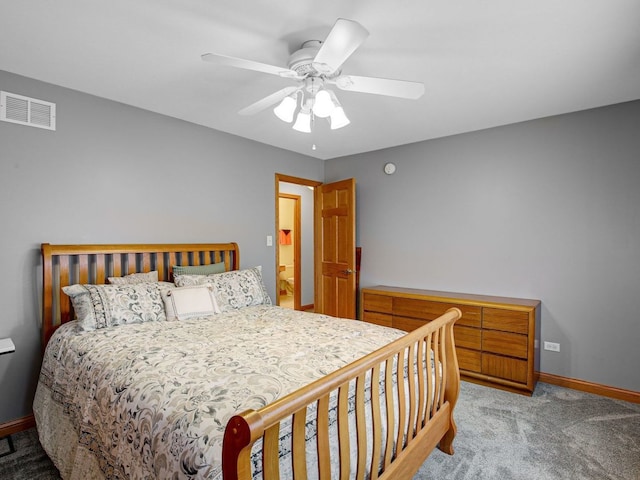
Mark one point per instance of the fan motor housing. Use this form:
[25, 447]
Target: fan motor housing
[301, 61]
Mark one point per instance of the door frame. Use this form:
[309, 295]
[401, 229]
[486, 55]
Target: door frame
[279, 177]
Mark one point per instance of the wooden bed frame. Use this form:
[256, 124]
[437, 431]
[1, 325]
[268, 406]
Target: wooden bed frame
[424, 403]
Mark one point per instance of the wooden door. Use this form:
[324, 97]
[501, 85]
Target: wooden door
[335, 215]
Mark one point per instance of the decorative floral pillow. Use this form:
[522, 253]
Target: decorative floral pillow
[232, 290]
[134, 278]
[101, 306]
[189, 302]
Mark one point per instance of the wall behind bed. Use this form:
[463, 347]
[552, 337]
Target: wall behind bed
[546, 209]
[111, 173]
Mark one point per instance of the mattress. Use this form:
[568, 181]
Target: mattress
[152, 400]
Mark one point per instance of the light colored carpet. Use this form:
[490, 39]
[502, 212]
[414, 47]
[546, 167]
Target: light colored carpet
[556, 434]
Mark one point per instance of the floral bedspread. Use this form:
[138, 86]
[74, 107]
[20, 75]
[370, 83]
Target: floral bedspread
[152, 400]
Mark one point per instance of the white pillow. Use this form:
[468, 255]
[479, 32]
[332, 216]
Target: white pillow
[188, 302]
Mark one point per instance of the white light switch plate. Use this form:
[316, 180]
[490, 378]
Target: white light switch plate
[6, 345]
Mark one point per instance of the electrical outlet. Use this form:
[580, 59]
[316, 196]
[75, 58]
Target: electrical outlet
[554, 347]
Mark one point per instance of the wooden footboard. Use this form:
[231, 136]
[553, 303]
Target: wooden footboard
[397, 423]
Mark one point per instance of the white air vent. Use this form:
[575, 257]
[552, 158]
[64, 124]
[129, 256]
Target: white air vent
[27, 111]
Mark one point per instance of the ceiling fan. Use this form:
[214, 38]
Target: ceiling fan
[315, 66]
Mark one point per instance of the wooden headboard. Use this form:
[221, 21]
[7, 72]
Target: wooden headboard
[70, 264]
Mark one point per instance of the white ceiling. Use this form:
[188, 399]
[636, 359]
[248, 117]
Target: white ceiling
[483, 63]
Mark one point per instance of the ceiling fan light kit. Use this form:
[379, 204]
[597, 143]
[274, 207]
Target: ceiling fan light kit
[338, 118]
[285, 110]
[303, 120]
[313, 66]
[324, 104]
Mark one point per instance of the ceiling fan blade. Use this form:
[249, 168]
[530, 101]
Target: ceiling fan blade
[342, 41]
[248, 65]
[380, 86]
[268, 101]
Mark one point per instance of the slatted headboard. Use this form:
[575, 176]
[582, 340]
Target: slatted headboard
[70, 264]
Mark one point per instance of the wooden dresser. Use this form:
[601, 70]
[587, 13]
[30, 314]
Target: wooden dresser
[497, 339]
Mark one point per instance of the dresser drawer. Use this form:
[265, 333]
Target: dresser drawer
[407, 324]
[378, 318]
[467, 337]
[505, 343]
[428, 310]
[377, 303]
[505, 320]
[471, 316]
[505, 367]
[470, 360]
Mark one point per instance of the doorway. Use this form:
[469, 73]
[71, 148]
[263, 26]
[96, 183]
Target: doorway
[328, 269]
[302, 282]
[289, 235]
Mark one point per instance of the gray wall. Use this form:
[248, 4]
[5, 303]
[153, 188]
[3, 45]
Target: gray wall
[547, 209]
[116, 174]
